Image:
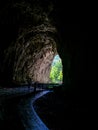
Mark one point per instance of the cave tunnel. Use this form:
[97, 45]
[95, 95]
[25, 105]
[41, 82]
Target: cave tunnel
[31, 39]
[32, 32]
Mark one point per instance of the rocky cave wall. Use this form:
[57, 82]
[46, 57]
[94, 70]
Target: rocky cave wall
[46, 21]
[28, 43]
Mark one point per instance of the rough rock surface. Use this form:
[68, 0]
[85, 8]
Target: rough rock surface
[40, 24]
[30, 45]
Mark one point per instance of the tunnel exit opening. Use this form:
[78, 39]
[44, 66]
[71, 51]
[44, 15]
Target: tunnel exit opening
[56, 72]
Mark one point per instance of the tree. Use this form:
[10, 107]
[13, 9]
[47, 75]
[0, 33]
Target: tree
[56, 74]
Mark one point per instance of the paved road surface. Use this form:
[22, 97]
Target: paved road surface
[16, 109]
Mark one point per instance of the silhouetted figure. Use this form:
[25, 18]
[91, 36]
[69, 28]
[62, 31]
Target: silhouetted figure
[35, 85]
[29, 82]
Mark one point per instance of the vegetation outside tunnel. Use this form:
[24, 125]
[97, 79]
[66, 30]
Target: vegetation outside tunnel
[56, 73]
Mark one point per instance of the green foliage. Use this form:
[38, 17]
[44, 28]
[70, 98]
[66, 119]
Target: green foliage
[56, 74]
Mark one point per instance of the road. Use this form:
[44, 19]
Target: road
[16, 109]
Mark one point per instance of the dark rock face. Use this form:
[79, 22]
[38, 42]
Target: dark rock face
[30, 46]
[31, 31]
[32, 57]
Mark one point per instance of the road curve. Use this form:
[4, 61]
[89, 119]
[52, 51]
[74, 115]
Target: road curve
[30, 119]
[16, 107]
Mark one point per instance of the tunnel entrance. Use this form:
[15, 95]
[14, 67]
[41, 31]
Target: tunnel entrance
[56, 72]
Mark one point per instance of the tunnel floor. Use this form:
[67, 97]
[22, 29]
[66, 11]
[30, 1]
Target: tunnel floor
[60, 112]
[16, 109]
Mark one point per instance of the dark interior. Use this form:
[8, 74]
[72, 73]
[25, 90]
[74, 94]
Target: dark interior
[32, 33]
